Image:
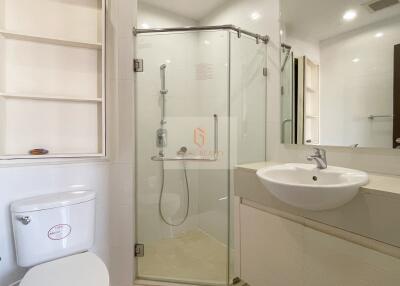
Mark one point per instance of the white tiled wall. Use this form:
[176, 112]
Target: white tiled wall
[345, 84]
[112, 179]
[121, 19]
[21, 182]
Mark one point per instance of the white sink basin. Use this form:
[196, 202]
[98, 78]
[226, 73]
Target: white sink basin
[307, 187]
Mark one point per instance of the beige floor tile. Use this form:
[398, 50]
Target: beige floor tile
[191, 257]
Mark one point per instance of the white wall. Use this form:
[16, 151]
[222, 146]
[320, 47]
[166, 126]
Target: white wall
[302, 48]
[120, 52]
[152, 17]
[346, 84]
[21, 182]
[112, 179]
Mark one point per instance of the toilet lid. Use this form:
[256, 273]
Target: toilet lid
[84, 269]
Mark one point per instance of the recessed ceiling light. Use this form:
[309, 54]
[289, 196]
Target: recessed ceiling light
[349, 15]
[379, 35]
[255, 16]
[355, 60]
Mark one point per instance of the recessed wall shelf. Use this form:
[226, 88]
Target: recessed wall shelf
[49, 40]
[52, 79]
[49, 98]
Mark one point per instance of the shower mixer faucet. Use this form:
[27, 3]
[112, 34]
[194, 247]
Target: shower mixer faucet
[162, 137]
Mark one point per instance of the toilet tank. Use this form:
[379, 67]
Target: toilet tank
[51, 226]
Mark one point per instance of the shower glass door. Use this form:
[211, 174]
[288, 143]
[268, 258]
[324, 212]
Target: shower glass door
[183, 205]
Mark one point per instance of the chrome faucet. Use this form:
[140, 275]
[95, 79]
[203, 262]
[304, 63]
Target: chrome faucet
[319, 157]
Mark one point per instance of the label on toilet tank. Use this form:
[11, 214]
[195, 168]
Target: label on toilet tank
[59, 231]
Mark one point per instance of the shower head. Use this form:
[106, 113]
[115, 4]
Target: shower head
[163, 67]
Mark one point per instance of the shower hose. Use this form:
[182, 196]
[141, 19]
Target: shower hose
[165, 220]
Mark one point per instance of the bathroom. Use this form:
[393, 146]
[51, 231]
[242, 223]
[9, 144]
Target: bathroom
[207, 135]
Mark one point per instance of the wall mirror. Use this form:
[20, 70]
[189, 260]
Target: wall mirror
[340, 73]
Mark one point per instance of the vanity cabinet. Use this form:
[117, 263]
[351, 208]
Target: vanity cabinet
[275, 251]
[52, 78]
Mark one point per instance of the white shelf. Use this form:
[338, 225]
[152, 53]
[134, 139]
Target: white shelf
[312, 116]
[48, 98]
[49, 40]
[69, 119]
[52, 156]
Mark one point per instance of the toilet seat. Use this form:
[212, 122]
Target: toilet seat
[85, 269]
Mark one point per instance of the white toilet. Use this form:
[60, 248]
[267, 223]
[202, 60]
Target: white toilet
[52, 234]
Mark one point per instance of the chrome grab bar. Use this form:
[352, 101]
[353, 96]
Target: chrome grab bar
[372, 117]
[195, 158]
[283, 129]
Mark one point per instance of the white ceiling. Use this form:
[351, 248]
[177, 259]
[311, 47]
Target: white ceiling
[192, 9]
[321, 19]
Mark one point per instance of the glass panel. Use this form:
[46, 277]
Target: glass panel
[248, 90]
[287, 120]
[192, 249]
[248, 100]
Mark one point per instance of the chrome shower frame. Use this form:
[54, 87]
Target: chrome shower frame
[239, 31]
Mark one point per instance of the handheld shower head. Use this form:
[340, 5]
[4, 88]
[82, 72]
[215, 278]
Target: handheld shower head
[163, 67]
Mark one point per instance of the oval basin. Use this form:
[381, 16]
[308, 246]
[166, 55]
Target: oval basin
[307, 187]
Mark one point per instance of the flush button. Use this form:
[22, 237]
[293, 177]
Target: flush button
[24, 219]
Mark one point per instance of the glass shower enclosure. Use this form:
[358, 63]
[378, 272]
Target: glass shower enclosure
[200, 110]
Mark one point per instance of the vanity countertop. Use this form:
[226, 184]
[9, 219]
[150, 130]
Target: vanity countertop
[379, 184]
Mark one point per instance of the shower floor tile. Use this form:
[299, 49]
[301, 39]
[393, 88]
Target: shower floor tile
[193, 257]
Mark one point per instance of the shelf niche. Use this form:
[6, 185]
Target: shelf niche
[52, 90]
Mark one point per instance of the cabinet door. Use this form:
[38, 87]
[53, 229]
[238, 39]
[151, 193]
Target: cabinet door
[278, 252]
[271, 249]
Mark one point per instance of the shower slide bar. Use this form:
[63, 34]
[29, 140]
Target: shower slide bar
[239, 31]
[195, 158]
